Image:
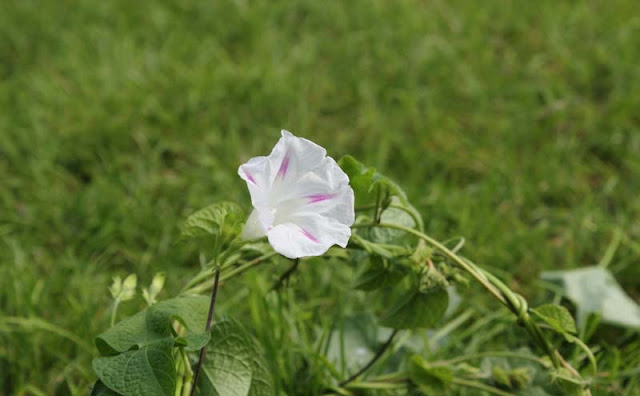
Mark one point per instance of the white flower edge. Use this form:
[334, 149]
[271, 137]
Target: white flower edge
[302, 199]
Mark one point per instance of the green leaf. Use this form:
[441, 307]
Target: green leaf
[194, 341]
[430, 380]
[100, 389]
[367, 183]
[234, 365]
[399, 199]
[148, 371]
[360, 179]
[377, 274]
[220, 220]
[595, 290]
[417, 309]
[557, 317]
[154, 324]
[567, 384]
[392, 215]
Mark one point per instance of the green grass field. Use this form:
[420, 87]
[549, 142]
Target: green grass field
[514, 124]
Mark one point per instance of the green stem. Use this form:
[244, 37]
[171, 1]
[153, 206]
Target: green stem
[212, 305]
[377, 213]
[403, 208]
[375, 385]
[208, 271]
[516, 303]
[371, 362]
[114, 311]
[481, 386]
[620, 374]
[188, 375]
[518, 306]
[450, 326]
[611, 249]
[480, 355]
[228, 275]
[31, 324]
[285, 275]
[469, 267]
[179, 377]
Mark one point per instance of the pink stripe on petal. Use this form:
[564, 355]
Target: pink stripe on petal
[308, 235]
[250, 176]
[284, 167]
[314, 198]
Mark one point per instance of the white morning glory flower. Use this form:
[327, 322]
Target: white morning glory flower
[302, 199]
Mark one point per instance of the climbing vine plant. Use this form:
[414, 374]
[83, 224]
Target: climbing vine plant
[180, 347]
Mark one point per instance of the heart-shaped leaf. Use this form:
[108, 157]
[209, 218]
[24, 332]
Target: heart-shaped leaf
[378, 273]
[417, 309]
[368, 184]
[235, 365]
[100, 389]
[557, 317]
[148, 371]
[220, 220]
[154, 324]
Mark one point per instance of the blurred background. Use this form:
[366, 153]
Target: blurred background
[514, 124]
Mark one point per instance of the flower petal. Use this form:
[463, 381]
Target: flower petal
[327, 191]
[308, 234]
[338, 206]
[302, 199]
[257, 173]
[253, 229]
[293, 156]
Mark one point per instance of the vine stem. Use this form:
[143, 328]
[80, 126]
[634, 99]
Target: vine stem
[114, 311]
[470, 268]
[203, 351]
[285, 275]
[506, 354]
[371, 362]
[514, 302]
[199, 288]
[481, 386]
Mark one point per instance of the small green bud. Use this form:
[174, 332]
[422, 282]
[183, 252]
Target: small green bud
[519, 377]
[156, 286]
[129, 287]
[501, 376]
[116, 287]
[432, 279]
[421, 254]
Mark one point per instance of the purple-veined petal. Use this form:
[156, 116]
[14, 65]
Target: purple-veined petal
[315, 198]
[293, 156]
[339, 207]
[257, 173]
[302, 199]
[308, 235]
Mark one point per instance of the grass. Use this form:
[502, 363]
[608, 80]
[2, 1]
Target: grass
[513, 124]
